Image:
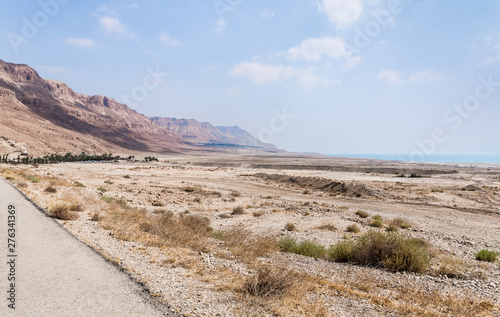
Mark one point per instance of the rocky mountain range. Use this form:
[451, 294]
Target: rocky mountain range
[41, 116]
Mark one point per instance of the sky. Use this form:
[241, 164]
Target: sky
[328, 76]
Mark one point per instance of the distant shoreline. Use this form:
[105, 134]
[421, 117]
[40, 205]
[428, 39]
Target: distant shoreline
[434, 158]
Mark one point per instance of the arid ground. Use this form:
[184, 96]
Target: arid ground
[251, 235]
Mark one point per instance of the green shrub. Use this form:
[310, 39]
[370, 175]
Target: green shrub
[392, 228]
[78, 184]
[377, 223]
[102, 189]
[107, 199]
[341, 251]
[305, 248]
[33, 179]
[388, 250]
[486, 255]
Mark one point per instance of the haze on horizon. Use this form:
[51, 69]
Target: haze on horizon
[329, 76]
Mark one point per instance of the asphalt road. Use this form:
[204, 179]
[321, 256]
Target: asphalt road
[56, 274]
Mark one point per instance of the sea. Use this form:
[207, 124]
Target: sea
[434, 158]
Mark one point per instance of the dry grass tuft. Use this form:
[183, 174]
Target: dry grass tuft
[245, 244]
[450, 266]
[269, 281]
[185, 230]
[62, 211]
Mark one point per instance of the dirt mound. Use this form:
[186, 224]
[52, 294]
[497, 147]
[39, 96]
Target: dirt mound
[350, 189]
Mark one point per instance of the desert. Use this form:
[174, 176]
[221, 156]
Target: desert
[250, 158]
[199, 231]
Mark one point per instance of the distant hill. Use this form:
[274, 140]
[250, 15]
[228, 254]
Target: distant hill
[205, 134]
[43, 116]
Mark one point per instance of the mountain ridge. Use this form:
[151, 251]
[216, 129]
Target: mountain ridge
[43, 116]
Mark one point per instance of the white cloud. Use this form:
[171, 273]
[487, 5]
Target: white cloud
[314, 49]
[391, 77]
[166, 40]
[233, 91]
[133, 5]
[342, 12]
[53, 69]
[261, 74]
[210, 68]
[80, 42]
[382, 42]
[112, 25]
[488, 60]
[427, 75]
[267, 14]
[221, 25]
[353, 61]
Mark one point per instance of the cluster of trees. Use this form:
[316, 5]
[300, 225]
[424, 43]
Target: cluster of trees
[69, 157]
[150, 159]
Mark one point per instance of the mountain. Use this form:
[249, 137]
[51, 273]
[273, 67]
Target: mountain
[43, 116]
[205, 134]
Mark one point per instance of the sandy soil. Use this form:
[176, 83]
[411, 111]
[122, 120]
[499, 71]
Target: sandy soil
[456, 208]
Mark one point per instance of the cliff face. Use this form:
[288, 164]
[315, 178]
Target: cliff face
[44, 116]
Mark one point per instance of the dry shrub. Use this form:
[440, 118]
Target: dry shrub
[401, 223]
[76, 207]
[96, 217]
[362, 214]
[63, 212]
[239, 210]
[417, 302]
[235, 194]
[192, 230]
[290, 227]
[353, 228]
[244, 243]
[257, 214]
[21, 184]
[392, 228]
[269, 281]
[451, 267]
[328, 226]
[51, 189]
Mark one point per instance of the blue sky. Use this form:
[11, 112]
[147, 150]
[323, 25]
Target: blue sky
[326, 76]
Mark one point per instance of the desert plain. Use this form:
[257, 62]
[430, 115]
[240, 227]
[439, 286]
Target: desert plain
[250, 234]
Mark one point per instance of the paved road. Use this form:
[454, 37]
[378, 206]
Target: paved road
[57, 275]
